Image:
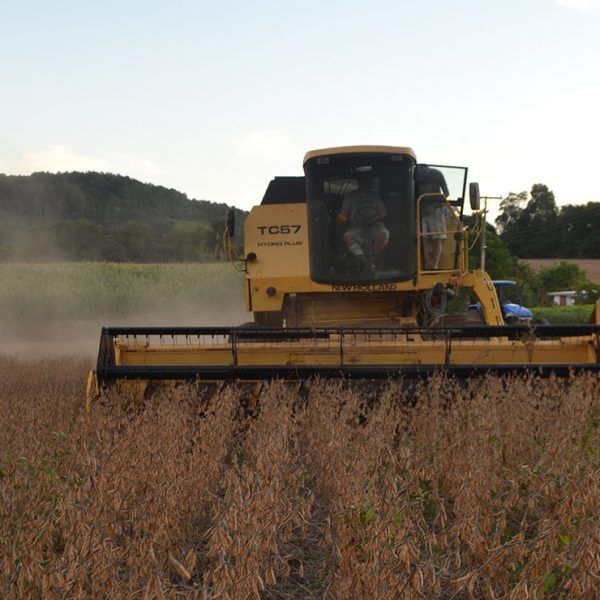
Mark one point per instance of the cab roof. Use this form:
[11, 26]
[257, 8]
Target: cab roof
[360, 150]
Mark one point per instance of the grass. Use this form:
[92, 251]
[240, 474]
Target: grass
[564, 315]
[483, 490]
[37, 294]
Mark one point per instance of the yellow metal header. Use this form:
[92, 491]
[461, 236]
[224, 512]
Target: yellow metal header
[360, 150]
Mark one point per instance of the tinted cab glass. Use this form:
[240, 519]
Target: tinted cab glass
[361, 216]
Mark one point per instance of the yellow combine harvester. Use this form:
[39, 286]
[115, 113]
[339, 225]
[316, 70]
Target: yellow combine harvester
[349, 271]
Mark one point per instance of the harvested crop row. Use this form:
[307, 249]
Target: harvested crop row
[264, 504]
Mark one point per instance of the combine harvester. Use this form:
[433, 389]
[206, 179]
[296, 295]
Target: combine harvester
[349, 271]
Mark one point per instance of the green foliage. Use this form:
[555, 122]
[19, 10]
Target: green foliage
[397, 518]
[104, 217]
[532, 226]
[87, 241]
[542, 205]
[564, 540]
[499, 263]
[578, 231]
[564, 315]
[367, 515]
[511, 209]
[566, 276]
[588, 292]
[529, 291]
[532, 289]
[38, 295]
[561, 276]
[550, 580]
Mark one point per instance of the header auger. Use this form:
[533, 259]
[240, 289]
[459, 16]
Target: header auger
[349, 272]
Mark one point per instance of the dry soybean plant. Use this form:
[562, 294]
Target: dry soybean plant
[444, 489]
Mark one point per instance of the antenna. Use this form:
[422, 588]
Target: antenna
[483, 244]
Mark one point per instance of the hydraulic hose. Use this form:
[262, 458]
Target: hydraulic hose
[439, 311]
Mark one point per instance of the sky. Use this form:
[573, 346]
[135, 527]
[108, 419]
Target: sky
[216, 98]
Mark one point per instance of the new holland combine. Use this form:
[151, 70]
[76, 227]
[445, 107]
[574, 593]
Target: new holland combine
[351, 271]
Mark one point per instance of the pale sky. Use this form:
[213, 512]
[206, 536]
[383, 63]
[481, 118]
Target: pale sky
[215, 98]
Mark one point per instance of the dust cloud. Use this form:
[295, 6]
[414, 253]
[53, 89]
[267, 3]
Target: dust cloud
[21, 243]
[51, 310]
[81, 338]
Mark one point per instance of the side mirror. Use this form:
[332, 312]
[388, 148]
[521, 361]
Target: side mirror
[230, 222]
[474, 197]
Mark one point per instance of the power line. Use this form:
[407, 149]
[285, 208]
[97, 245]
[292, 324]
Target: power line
[584, 208]
[559, 224]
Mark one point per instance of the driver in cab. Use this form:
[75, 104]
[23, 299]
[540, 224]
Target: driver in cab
[363, 211]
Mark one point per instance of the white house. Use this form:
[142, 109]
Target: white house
[563, 298]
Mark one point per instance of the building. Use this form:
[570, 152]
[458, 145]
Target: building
[563, 298]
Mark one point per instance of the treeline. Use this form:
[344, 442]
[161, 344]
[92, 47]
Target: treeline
[533, 288]
[83, 240]
[101, 216]
[532, 226]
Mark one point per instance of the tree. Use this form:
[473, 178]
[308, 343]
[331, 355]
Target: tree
[542, 206]
[540, 217]
[578, 230]
[561, 276]
[101, 216]
[511, 209]
[525, 229]
[499, 263]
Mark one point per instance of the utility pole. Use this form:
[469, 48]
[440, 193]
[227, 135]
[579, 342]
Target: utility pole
[483, 244]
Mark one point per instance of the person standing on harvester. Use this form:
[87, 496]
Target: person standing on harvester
[434, 212]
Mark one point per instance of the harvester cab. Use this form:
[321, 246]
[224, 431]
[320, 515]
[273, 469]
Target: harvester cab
[349, 271]
[361, 240]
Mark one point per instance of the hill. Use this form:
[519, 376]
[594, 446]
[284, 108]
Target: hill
[101, 216]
